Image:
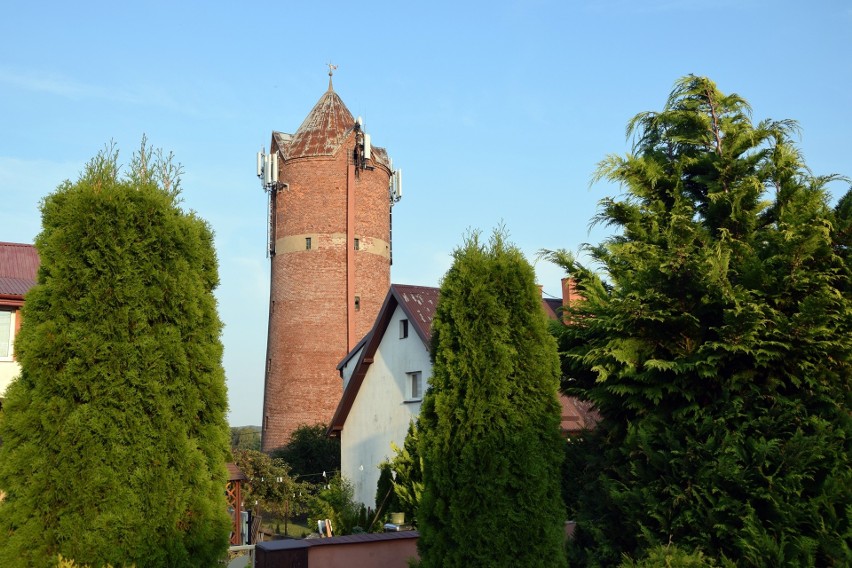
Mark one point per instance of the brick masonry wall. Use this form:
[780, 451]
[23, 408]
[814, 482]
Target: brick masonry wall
[309, 306]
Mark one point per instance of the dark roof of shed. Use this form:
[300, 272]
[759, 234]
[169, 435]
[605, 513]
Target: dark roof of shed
[235, 473]
[290, 544]
[18, 269]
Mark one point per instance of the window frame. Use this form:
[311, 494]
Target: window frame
[413, 378]
[10, 344]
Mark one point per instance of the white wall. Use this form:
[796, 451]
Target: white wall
[380, 414]
[8, 371]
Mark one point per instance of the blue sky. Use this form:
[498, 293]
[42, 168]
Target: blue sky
[497, 112]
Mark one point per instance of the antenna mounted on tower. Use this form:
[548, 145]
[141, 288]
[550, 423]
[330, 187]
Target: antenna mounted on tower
[396, 185]
[267, 171]
[363, 147]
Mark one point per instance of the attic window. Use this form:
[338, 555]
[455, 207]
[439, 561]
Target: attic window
[307, 243]
[403, 328]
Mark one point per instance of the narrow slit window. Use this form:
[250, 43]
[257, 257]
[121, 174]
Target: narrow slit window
[357, 244]
[403, 328]
[357, 303]
[307, 243]
[415, 386]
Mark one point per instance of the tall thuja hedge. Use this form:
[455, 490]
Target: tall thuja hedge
[489, 423]
[715, 345]
[114, 438]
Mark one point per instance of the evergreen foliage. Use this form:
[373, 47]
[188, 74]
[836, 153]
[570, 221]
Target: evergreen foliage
[386, 499]
[489, 423]
[716, 346]
[114, 435]
[408, 465]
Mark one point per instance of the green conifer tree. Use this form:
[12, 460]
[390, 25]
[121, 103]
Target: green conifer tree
[114, 435]
[489, 424]
[716, 346]
[408, 466]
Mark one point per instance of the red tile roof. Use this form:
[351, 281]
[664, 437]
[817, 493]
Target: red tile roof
[418, 303]
[323, 130]
[18, 269]
[322, 133]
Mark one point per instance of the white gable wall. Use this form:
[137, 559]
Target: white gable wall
[381, 412]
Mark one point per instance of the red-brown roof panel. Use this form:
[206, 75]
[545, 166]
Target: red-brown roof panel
[18, 268]
[323, 131]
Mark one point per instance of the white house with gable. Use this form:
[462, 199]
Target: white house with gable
[385, 376]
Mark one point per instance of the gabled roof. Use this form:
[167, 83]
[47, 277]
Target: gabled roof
[418, 303]
[18, 270]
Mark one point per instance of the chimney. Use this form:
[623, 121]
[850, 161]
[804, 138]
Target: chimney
[569, 292]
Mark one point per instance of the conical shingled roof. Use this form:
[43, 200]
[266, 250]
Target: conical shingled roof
[323, 131]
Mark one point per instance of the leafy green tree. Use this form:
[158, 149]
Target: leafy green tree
[311, 452]
[245, 438]
[489, 423]
[271, 488]
[716, 346]
[335, 501]
[114, 435]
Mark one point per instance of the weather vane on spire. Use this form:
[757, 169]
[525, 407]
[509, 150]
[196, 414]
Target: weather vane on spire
[331, 68]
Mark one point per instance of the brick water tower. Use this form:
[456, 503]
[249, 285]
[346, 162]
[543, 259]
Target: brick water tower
[331, 193]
